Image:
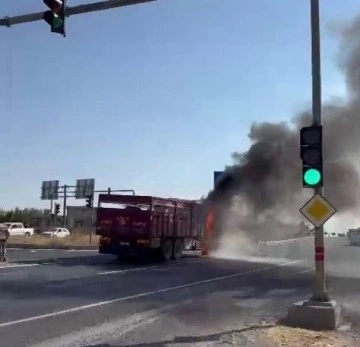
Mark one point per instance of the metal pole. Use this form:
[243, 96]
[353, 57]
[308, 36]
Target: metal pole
[103, 5]
[51, 211]
[64, 206]
[109, 190]
[124, 191]
[70, 11]
[92, 218]
[320, 293]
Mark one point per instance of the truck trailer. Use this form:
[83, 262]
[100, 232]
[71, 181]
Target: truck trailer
[147, 226]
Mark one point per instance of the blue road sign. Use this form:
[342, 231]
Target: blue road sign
[217, 175]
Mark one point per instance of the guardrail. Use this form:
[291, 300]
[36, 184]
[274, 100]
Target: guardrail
[299, 248]
[280, 242]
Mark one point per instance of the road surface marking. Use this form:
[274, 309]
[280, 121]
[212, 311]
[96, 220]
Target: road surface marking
[32, 249]
[52, 249]
[141, 295]
[17, 265]
[127, 270]
[8, 266]
[82, 250]
[307, 270]
[147, 267]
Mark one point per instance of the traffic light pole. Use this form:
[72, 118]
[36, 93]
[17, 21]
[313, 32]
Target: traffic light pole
[64, 205]
[51, 210]
[319, 312]
[320, 294]
[71, 11]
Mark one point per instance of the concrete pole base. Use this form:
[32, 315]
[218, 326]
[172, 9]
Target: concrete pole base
[314, 315]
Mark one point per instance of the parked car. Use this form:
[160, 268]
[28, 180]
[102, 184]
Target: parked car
[18, 229]
[56, 232]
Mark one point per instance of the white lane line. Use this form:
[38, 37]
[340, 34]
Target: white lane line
[127, 270]
[52, 249]
[31, 249]
[149, 267]
[307, 270]
[9, 266]
[18, 265]
[136, 296]
[81, 250]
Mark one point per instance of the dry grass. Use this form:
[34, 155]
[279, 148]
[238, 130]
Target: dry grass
[75, 240]
[294, 337]
[269, 335]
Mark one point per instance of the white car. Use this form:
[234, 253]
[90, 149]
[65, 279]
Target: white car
[18, 229]
[56, 232]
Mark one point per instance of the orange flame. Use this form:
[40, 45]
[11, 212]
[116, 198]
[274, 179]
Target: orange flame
[210, 222]
[209, 229]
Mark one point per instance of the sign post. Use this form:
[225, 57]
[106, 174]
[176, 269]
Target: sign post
[319, 312]
[320, 293]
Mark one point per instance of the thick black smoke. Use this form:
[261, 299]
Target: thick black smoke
[267, 177]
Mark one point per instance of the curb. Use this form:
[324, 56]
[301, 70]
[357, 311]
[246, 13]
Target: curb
[49, 247]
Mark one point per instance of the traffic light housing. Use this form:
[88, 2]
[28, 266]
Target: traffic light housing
[89, 201]
[311, 155]
[56, 16]
[57, 209]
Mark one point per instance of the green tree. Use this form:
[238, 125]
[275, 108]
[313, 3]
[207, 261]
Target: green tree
[25, 216]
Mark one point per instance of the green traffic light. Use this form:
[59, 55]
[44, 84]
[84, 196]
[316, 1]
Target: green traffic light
[312, 177]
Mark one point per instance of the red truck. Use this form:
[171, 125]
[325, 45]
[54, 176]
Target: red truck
[146, 226]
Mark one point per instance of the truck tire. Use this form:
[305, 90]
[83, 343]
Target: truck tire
[177, 249]
[27, 234]
[166, 251]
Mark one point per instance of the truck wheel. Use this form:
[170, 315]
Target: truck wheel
[177, 250]
[27, 234]
[167, 250]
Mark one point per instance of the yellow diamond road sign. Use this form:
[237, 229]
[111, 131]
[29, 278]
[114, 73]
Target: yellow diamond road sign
[318, 210]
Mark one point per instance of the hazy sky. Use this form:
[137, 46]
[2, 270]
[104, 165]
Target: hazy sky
[152, 97]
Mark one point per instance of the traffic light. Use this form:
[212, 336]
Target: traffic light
[57, 209]
[89, 201]
[311, 155]
[56, 16]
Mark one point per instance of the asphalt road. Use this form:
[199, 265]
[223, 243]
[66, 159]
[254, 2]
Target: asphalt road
[64, 298]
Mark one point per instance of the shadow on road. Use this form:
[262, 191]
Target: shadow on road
[190, 339]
